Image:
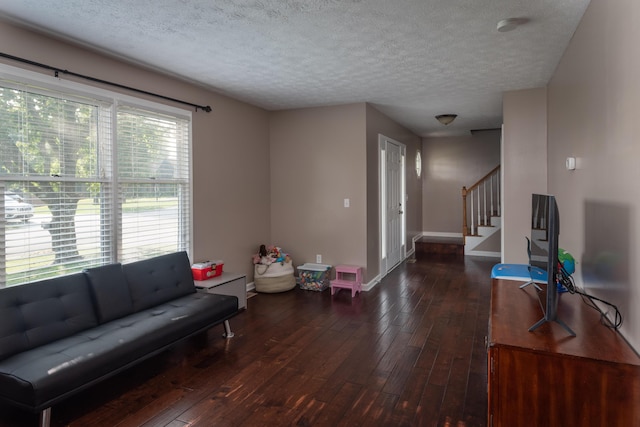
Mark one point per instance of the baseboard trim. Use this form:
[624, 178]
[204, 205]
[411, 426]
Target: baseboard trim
[486, 254]
[441, 234]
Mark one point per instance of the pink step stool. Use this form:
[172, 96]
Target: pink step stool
[347, 277]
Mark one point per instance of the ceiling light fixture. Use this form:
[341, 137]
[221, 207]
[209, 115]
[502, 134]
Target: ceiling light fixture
[446, 119]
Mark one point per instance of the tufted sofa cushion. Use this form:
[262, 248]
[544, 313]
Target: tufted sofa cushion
[42, 312]
[158, 280]
[110, 291]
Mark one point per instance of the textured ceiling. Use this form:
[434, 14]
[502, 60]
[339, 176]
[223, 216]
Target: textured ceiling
[411, 59]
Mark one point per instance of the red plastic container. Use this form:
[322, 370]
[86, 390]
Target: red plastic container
[206, 270]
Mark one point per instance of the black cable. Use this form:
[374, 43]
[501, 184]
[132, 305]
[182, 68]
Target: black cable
[566, 280]
[93, 79]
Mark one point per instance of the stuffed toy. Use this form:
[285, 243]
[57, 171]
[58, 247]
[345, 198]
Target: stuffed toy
[269, 255]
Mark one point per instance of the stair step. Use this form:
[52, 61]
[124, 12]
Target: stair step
[428, 247]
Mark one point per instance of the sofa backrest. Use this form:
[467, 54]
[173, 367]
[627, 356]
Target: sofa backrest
[159, 279]
[37, 313]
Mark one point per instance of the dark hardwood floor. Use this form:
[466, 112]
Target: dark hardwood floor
[410, 352]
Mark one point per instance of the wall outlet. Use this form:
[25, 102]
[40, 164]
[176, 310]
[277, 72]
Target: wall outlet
[319, 259]
[347, 203]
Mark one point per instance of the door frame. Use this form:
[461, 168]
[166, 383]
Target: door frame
[382, 193]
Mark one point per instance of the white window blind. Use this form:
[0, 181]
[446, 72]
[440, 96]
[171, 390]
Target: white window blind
[85, 185]
[153, 192]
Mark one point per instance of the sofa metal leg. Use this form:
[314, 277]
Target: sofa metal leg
[227, 330]
[45, 417]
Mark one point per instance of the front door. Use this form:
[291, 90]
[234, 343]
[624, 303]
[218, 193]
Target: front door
[392, 196]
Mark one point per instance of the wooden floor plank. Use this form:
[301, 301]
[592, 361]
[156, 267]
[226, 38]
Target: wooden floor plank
[409, 352]
[339, 404]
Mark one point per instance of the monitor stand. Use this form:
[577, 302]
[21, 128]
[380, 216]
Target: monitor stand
[549, 310]
[531, 282]
[558, 321]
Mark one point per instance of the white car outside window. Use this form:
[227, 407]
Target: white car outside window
[15, 208]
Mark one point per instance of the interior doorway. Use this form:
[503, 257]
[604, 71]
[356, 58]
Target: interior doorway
[392, 203]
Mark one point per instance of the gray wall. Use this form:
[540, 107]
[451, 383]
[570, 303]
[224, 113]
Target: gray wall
[593, 105]
[449, 164]
[319, 157]
[524, 160]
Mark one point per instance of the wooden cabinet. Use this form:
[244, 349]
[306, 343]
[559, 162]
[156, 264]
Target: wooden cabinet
[226, 284]
[548, 378]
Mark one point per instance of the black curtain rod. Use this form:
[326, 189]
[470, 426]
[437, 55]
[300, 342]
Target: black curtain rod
[93, 79]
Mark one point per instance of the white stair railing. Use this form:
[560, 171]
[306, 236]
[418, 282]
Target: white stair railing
[484, 198]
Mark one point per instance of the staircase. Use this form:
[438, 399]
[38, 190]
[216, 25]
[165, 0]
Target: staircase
[480, 245]
[481, 216]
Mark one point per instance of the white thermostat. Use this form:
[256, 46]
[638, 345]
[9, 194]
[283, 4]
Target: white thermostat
[571, 163]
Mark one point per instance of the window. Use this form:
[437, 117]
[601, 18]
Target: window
[88, 179]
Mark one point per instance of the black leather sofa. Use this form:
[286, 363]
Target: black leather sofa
[62, 335]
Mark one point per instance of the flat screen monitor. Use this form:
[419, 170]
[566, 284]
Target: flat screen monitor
[545, 232]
